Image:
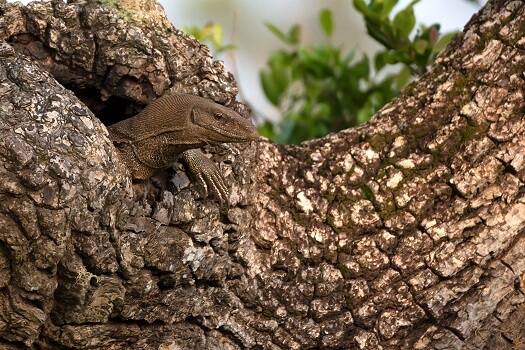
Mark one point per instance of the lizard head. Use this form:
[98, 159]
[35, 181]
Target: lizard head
[222, 124]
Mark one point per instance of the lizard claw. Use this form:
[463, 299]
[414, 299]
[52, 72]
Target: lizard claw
[206, 173]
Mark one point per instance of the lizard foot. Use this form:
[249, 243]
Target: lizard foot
[206, 173]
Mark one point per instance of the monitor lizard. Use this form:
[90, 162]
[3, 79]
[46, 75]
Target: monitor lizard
[174, 127]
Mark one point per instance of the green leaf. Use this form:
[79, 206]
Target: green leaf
[396, 56]
[270, 87]
[216, 32]
[377, 33]
[277, 32]
[420, 45]
[325, 18]
[388, 5]
[313, 62]
[380, 61]
[360, 6]
[294, 34]
[404, 22]
[275, 79]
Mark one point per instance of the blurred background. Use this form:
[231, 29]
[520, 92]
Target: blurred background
[243, 26]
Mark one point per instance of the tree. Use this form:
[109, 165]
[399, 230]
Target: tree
[406, 232]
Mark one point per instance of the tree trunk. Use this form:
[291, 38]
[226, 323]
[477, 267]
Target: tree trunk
[404, 233]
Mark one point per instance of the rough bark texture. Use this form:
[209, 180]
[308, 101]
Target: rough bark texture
[406, 232]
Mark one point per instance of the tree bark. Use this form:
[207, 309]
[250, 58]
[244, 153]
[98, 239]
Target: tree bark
[405, 233]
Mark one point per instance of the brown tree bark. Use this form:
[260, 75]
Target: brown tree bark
[404, 233]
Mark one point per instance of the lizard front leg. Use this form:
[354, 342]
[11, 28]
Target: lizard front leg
[207, 174]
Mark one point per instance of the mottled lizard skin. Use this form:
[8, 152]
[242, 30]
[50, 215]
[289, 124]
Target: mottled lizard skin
[171, 126]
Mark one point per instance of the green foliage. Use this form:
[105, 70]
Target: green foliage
[325, 18]
[324, 89]
[418, 52]
[212, 34]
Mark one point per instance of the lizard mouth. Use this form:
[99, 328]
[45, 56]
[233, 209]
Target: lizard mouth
[249, 134]
[238, 133]
[238, 136]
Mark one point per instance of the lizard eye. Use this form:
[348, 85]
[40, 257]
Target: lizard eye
[217, 116]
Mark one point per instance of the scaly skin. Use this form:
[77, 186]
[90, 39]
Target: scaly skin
[171, 126]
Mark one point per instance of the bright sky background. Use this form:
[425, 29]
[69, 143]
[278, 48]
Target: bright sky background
[243, 26]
